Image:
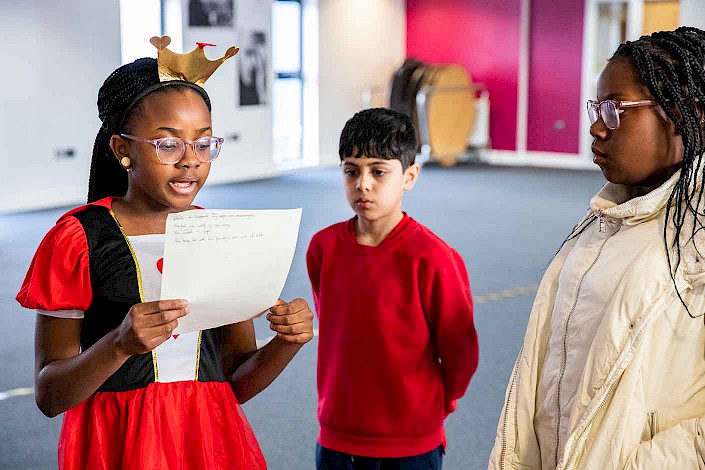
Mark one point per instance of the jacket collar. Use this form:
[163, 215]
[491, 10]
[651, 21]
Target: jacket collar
[613, 201]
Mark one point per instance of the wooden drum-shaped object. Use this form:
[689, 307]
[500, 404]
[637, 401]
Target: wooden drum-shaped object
[451, 112]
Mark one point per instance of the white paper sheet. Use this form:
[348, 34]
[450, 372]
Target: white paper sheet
[229, 264]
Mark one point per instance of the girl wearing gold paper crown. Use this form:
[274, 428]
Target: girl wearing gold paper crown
[135, 396]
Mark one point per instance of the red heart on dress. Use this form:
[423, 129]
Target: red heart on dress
[160, 267]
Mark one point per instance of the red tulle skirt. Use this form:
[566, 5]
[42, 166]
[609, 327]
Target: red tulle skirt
[175, 426]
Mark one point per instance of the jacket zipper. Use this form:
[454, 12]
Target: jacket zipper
[613, 385]
[564, 351]
[603, 225]
[653, 423]
[610, 390]
[515, 373]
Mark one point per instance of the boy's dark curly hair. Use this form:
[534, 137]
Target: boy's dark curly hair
[379, 133]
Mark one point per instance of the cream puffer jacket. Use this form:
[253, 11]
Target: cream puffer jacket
[640, 403]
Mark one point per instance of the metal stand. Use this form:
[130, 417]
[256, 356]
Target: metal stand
[479, 139]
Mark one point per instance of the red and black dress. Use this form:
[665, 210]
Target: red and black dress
[171, 408]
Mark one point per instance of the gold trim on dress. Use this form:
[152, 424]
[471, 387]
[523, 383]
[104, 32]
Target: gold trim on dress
[198, 354]
[139, 284]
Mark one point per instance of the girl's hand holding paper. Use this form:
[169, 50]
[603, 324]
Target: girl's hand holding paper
[292, 321]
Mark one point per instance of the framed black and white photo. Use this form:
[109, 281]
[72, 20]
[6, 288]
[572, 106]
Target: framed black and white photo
[211, 13]
[253, 67]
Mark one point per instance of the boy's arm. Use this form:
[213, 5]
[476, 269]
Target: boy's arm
[313, 264]
[450, 310]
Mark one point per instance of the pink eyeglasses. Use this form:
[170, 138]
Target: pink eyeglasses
[170, 150]
[610, 110]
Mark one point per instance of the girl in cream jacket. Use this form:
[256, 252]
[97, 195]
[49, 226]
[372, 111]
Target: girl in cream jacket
[612, 370]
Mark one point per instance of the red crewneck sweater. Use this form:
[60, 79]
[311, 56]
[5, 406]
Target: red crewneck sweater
[397, 342]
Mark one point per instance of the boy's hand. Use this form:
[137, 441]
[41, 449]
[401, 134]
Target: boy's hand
[293, 321]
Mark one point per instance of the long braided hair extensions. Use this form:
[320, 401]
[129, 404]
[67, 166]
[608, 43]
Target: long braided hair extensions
[119, 100]
[671, 65]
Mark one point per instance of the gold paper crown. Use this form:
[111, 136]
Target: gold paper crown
[193, 67]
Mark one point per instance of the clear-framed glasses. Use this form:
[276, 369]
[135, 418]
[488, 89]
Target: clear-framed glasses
[609, 110]
[170, 150]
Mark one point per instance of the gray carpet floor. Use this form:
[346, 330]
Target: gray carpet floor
[505, 222]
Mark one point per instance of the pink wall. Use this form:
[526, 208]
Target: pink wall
[481, 35]
[555, 72]
[484, 36]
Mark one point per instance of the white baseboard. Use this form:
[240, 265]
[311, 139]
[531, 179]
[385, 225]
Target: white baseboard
[43, 199]
[572, 161]
[73, 196]
[296, 165]
[234, 172]
[49, 198]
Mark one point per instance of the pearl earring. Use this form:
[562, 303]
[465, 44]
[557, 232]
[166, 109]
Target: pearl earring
[125, 162]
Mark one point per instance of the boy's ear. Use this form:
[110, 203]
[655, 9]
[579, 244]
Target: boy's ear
[119, 146]
[410, 176]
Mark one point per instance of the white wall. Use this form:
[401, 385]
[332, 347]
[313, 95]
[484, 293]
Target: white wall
[59, 54]
[48, 90]
[693, 13]
[362, 43]
[250, 156]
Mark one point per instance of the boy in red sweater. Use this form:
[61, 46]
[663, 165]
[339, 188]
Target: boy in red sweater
[397, 342]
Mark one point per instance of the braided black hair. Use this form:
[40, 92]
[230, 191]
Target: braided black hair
[671, 65]
[379, 133]
[120, 99]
